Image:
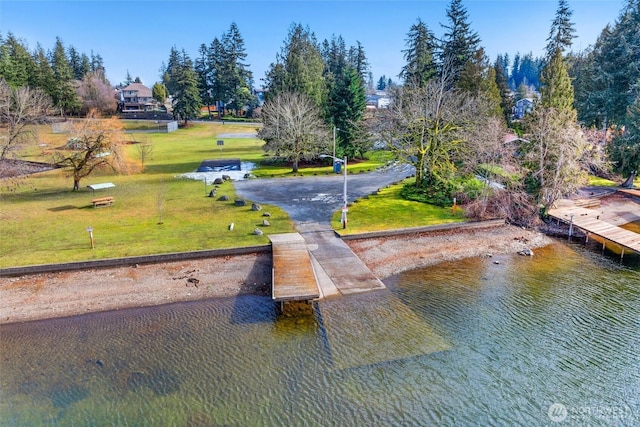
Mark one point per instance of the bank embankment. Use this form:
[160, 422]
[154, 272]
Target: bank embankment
[67, 293]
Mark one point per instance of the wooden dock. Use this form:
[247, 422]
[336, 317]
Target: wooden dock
[588, 220]
[293, 275]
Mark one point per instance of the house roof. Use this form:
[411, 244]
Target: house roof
[143, 91]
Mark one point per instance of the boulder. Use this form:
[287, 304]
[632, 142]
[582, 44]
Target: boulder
[265, 223]
[526, 252]
[223, 198]
[240, 202]
[212, 193]
[256, 207]
[231, 226]
[226, 178]
[258, 232]
[266, 214]
[218, 181]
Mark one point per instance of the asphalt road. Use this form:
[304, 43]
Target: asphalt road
[314, 199]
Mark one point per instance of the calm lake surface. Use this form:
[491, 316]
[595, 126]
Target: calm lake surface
[499, 341]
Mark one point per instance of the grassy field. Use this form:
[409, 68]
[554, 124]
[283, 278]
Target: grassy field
[388, 210]
[43, 221]
[155, 211]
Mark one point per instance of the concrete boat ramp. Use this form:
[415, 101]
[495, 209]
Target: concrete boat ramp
[316, 264]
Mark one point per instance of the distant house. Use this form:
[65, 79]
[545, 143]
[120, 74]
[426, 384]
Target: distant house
[135, 98]
[522, 107]
[378, 100]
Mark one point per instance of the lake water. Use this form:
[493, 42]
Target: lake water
[506, 340]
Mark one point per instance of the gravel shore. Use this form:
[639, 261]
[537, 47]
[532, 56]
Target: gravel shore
[50, 295]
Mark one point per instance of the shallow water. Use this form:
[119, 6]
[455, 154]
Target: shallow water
[484, 341]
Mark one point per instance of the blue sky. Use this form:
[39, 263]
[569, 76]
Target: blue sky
[138, 35]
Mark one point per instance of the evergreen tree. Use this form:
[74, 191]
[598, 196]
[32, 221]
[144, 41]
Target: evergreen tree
[299, 67]
[96, 63]
[530, 71]
[624, 150]
[382, 83]
[85, 65]
[64, 96]
[515, 79]
[186, 102]
[16, 63]
[235, 77]
[205, 82]
[506, 99]
[419, 54]
[346, 109]
[128, 79]
[159, 92]
[459, 43]
[75, 61]
[43, 74]
[503, 63]
[170, 70]
[562, 32]
[357, 59]
[613, 69]
[557, 90]
[216, 69]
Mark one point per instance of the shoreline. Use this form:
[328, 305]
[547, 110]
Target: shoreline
[69, 293]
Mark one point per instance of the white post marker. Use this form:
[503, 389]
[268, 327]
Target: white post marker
[90, 231]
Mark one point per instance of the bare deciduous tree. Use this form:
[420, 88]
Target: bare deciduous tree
[95, 93]
[425, 126]
[293, 128]
[144, 149]
[554, 154]
[97, 143]
[19, 109]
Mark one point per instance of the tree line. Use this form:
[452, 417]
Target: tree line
[74, 81]
[448, 116]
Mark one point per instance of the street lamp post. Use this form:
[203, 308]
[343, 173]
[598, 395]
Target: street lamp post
[345, 208]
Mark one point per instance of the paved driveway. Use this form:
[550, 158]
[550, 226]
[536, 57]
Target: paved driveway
[314, 199]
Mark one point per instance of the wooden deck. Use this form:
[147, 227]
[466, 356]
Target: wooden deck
[293, 275]
[631, 191]
[587, 220]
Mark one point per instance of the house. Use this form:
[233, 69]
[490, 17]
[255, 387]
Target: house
[135, 98]
[378, 100]
[522, 107]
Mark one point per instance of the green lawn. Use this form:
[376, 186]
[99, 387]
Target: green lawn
[601, 182]
[43, 221]
[387, 210]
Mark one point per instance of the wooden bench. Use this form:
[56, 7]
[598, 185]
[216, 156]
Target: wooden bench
[102, 201]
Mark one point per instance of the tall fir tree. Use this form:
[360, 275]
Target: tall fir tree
[186, 102]
[43, 74]
[357, 58]
[235, 76]
[624, 150]
[203, 70]
[562, 31]
[347, 104]
[557, 89]
[299, 67]
[64, 96]
[459, 43]
[16, 63]
[611, 72]
[502, 83]
[419, 55]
